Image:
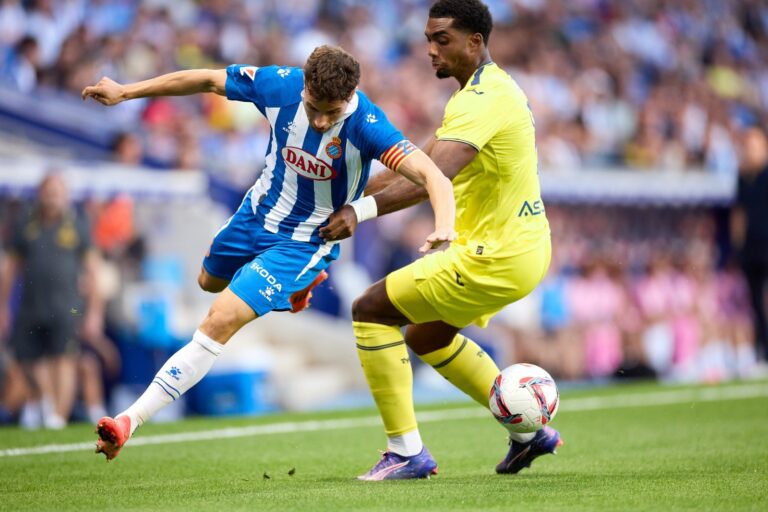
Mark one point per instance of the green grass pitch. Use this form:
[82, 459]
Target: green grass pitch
[638, 447]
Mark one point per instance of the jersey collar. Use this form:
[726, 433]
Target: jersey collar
[351, 106]
[475, 80]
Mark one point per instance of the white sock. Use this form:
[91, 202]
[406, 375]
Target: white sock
[183, 370]
[31, 417]
[521, 438]
[47, 408]
[745, 360]
[408, 444]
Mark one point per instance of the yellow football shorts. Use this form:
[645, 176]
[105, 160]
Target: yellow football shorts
[460, 288]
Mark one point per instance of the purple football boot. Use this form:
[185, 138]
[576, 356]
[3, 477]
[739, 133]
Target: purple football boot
[521, 455]
[398, 467]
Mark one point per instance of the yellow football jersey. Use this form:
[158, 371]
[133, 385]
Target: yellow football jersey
[499, 211]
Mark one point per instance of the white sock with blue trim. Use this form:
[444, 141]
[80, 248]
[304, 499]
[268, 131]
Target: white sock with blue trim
[183, 370]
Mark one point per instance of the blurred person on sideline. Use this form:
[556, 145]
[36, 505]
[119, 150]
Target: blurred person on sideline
[98, 360]
[50, 250]
[270, 253]
[597, 301]
[749, 230]
[736, 318]
[655, 294]
[486, 145]
[13, 387]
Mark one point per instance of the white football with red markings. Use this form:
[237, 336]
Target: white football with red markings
[524, 398]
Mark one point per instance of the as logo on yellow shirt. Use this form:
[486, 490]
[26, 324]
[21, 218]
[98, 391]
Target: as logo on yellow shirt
[535, 208]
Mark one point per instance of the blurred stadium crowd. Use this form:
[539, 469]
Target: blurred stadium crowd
[631, 86]
[637, 83]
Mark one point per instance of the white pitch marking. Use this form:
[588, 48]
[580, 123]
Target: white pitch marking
[574, 405]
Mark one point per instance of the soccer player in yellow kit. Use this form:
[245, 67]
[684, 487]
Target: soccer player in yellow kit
[486, 145]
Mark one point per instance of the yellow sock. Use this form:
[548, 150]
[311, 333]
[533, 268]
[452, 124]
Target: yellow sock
[466, 366]
[384, 358]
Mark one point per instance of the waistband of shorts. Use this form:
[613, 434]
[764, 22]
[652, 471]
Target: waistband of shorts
[486, 248]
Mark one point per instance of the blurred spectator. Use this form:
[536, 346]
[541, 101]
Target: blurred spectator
[127, 149]
[113, 219]
[13, 22]
[750, 229]
[50, 22]
[734, 313]
[21, 65]
[56, 300]
[13, 390]
[97, 361]
[649, 85]
[598, 302]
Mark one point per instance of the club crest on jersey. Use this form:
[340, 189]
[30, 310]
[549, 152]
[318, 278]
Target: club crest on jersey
[333, 148]
[306, 164]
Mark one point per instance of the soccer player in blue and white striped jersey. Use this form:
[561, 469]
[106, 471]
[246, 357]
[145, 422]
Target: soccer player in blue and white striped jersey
[324, 135]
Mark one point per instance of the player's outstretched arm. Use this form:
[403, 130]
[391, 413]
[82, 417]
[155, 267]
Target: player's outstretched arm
[382, 180]
[417, 177]
[180, 83]
[394, 194]
[423, 172]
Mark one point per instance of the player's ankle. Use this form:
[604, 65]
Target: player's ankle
[407, 445]
[133, 419]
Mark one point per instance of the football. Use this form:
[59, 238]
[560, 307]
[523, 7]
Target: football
[524, 398]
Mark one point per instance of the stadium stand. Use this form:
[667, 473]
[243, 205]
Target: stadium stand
[639, 106]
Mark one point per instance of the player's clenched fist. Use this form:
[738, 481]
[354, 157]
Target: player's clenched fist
[341, 224]
[106, 91]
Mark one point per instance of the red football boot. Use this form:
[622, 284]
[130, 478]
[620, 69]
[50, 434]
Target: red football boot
[113, 434]
[300, 299]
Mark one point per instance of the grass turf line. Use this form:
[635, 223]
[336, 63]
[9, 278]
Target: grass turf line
[702, 455]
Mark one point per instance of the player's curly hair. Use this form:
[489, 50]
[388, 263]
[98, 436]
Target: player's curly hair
[470, 15]
[331, 74]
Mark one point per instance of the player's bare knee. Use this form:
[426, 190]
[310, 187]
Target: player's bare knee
[210, 284]
[221, 323]
[362, 310]
[202, 282]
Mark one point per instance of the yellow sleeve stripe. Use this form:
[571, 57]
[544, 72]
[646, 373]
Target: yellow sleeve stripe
[397, 154]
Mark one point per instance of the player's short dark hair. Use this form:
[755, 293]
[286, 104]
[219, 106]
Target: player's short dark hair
[469, 15]
[331, 74]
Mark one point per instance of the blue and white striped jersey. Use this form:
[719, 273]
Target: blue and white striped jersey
[309, 175]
